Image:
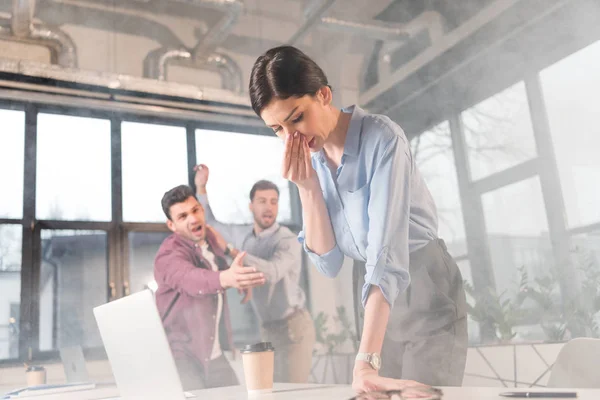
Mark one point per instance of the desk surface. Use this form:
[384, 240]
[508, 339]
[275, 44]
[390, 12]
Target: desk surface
[343, 392]
[311, 391]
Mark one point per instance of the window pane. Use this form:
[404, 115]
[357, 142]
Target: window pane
[142, 250]
[517, 229]
[521, 253]
[73, 280]
[73, 168]
[12, 156]
[433, 154]
[571, 89]
[472, 325]
[154, 161]
[465, 270]
[255, 157]
[498, 132]
[10, 289]
[585, 261]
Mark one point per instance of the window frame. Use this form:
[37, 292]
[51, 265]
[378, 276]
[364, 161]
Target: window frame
[116, 229]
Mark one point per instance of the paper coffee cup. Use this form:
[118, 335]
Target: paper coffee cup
[258, 360]
[36, 375]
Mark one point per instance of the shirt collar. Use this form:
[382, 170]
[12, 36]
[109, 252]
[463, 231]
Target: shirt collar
[352, 143]
[210, 240]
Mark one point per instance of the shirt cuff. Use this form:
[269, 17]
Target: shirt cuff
[391, 279]
[329, 263]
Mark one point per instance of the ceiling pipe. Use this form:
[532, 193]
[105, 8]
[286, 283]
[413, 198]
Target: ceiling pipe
[231, 74]
[20, 28]
[313, 13]
[431, 21]
[157, 61]
[216, 34]
[443, 44]
[22, 17]
[203, 55]
[379, 31]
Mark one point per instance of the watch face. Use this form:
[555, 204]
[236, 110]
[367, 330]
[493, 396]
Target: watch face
[376, 361]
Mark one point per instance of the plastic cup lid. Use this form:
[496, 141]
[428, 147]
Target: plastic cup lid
[258, 347]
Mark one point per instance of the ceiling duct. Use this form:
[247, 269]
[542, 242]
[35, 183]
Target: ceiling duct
[217, 34]
[379, 31]
[440, 44]
[431, 21]
[312, 15]
[157, 61]
[203, 54]
[21, 28]
[392, 35]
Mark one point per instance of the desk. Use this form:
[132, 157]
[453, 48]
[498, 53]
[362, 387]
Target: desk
[343, 392]
[284, 391]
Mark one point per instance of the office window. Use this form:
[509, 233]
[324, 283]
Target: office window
[585, 263]
[10, 289]
[472, 324]
[498, 132]
[142, 251]
[154, 161]
[432, 151]
[571, 88]
[73, 168]
[236, 162]
[12, 155]
[73, 280]
[517, 230]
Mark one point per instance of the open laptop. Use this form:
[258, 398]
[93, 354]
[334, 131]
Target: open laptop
[74, 364]
[138, 350]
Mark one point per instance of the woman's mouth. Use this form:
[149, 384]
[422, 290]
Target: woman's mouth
[312, 142]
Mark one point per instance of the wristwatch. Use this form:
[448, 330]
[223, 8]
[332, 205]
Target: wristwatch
[228, 249]
[373, 359]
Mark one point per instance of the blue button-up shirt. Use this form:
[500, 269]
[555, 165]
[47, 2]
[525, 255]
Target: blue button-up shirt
[378, 203]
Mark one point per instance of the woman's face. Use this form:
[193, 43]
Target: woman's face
[308, 115]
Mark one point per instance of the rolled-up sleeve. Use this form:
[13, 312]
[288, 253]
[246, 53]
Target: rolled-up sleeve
[329, 264]
[285, 258]
[389, 212]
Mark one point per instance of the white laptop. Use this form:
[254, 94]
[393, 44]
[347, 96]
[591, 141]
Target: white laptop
[138, 350]
[74, 364]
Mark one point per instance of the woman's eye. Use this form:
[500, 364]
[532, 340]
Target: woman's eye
[298, 118]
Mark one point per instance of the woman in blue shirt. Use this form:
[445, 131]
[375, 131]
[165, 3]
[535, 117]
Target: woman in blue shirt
[362, 196]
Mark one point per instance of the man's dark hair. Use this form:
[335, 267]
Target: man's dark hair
[178, 194]
[263, 185]
[283, 72]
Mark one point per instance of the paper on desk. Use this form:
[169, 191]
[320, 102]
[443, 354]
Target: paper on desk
[187, 395]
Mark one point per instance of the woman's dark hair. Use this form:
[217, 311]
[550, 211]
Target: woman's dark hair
[283, 72]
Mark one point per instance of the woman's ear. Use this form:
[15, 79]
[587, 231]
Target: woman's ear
[325, 95]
